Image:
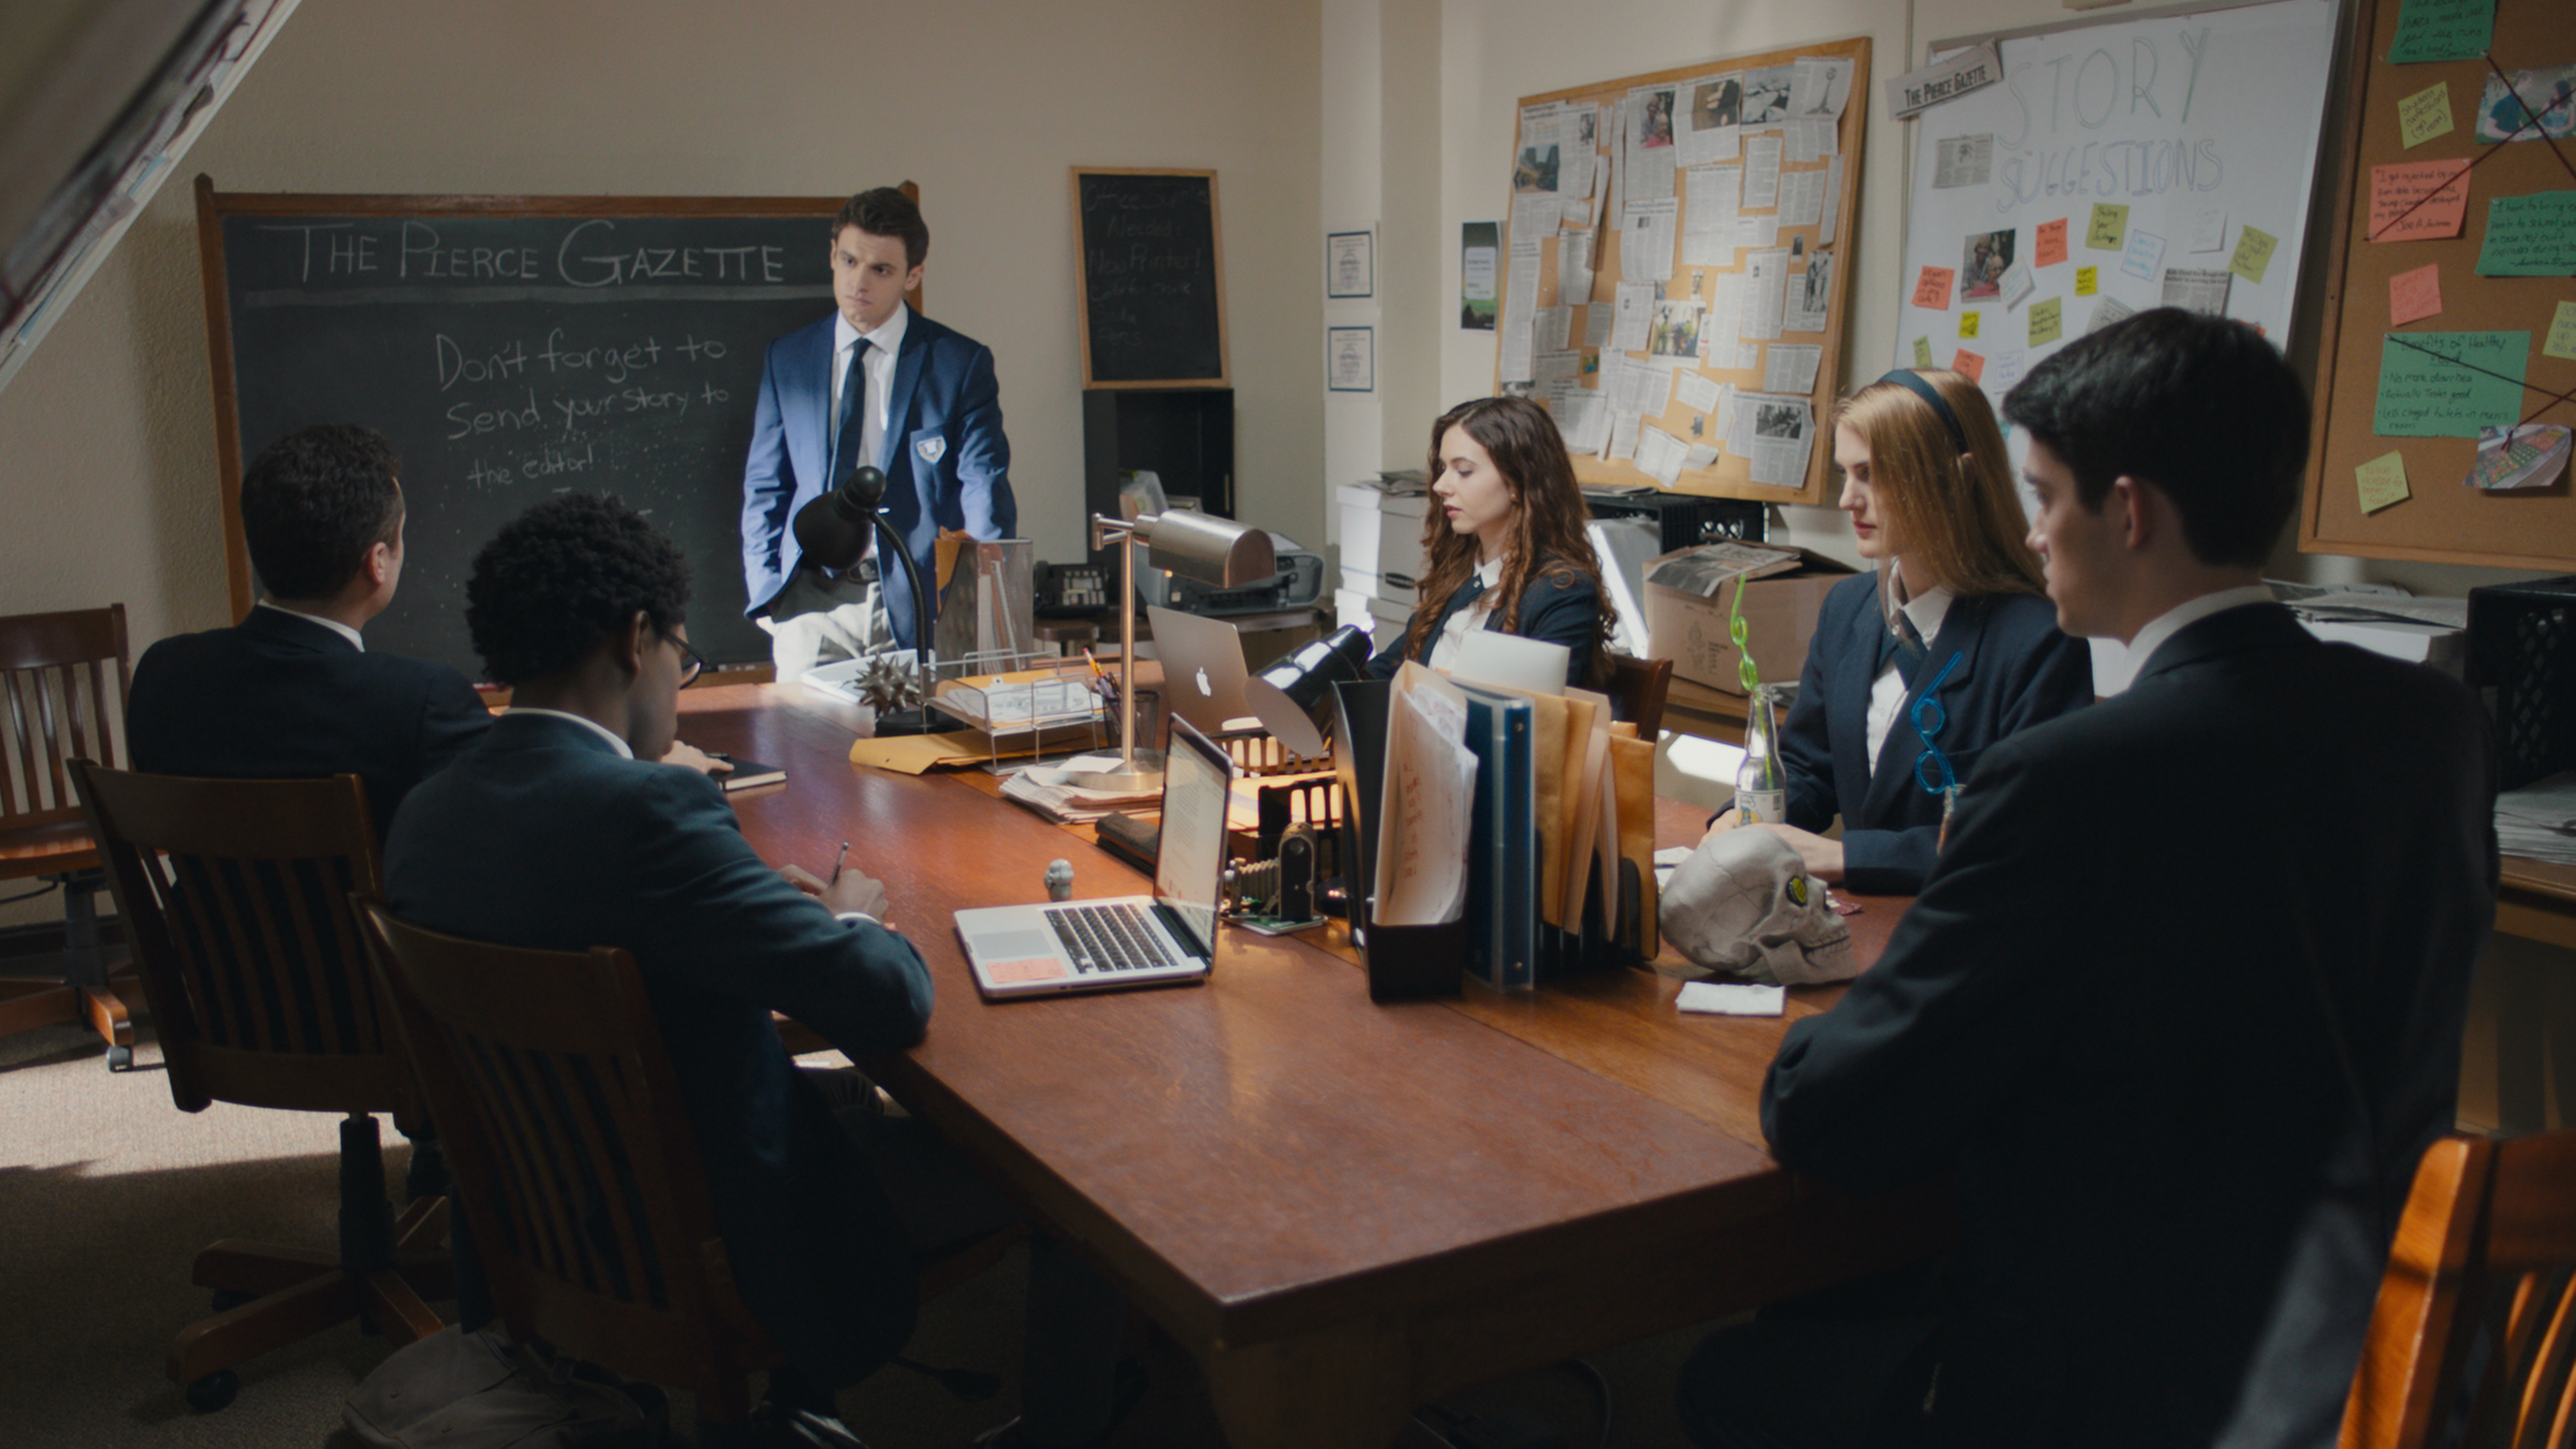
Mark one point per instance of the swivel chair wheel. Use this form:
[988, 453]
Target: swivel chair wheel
[226, 1300]
[212, 1392]
[119, 1058]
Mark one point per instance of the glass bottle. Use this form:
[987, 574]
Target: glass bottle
[1761, 788]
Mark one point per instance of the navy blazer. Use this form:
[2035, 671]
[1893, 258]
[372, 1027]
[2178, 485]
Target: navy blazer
[946, 462]
[2015, 669]
[1562, 608]
[546, 837]
[2178, 1008]
[280, 697]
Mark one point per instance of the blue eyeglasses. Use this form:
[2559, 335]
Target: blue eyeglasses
[1932, 768]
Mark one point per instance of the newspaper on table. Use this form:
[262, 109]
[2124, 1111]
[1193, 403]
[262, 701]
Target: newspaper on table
[1712, 566]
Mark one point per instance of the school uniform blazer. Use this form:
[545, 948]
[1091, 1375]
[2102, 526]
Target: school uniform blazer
[279, 697]
[2178, 1008]
[2015, 669]
[545, 837]
[946, 462]
[1559, 609]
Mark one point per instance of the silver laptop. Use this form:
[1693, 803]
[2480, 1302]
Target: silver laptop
[1203, 673]
[1107, 945]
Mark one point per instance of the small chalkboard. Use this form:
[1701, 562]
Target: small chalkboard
[1152, 278]
[513, 348]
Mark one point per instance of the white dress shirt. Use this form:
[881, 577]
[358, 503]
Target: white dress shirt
[1887, 691]
[876, 370]
[2191, 611]
[1453, 637]
[334, 625]
[586, 722]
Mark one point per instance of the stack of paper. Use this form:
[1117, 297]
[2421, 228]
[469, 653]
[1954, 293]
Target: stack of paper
[1051, 793]
[2539, 820]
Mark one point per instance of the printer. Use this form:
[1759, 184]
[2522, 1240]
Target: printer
[1298, 584]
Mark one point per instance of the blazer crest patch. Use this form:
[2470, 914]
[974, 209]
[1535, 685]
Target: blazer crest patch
[931, 449]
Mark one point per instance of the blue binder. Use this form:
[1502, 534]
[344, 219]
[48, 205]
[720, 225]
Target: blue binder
[1502, 876]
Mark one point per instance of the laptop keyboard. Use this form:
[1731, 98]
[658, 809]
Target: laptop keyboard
[1107, 938]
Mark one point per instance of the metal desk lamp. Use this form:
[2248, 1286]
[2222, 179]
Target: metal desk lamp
[1212, 550]
[832, 530]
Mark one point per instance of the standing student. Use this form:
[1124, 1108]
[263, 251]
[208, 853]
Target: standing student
[1948, 646]
[1506, 543]
[2179, 1007]
[878, 385]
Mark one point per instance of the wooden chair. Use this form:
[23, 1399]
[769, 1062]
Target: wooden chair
[54, 688]
[235, 894]
[1637, 689]
[2488, 1240]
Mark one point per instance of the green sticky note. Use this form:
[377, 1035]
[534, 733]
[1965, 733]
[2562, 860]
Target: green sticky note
[2530, 236]
[2449, 384]
[2047, 321]
[2088, 280]
[1968, 323]
[2562, 333]
[2424, 115]
[2253, 254]
[2109, 231]
[2442, 30]
[2382, 481]
[1922, 352]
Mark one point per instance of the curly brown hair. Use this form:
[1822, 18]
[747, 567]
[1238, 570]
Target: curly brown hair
[1548, 517]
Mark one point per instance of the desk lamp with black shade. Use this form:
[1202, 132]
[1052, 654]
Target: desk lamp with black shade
[832, 532]
[1195, 545]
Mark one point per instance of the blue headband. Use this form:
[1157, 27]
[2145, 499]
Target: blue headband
[1914, 382]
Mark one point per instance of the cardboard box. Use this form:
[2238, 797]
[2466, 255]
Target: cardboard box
[1779, 618]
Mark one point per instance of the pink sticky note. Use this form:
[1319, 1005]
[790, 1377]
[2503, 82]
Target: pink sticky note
[2399, 208]
[1969, 363]
[1932, 289]
[2051, 247]
[2414, 295]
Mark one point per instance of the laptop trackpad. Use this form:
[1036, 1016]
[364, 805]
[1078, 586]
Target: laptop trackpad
[1015, 945]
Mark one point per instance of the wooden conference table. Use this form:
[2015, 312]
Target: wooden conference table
[1344, 1210]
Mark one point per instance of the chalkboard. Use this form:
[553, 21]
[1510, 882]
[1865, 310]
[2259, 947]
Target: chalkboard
[1151, 276]
[513, 348]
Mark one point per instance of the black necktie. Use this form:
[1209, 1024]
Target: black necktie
[1904, 643]
[845, 436]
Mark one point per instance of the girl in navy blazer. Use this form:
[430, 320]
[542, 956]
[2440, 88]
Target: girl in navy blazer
[1948, 647]
[1506, 544]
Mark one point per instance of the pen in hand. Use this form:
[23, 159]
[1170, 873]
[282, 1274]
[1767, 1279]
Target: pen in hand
[837, 862]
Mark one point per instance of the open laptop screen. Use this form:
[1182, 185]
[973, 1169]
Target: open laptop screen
[1189, 865]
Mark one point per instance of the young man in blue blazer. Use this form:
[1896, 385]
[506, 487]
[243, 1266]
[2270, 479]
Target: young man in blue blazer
[925, 409]
[2180, 1005]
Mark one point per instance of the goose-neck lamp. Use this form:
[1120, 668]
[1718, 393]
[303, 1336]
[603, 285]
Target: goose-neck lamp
[832, 530]
[1194, 545]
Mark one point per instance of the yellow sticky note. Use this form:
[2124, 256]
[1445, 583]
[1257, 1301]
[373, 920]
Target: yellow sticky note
[2253, 254]
[1968, 323]
[2046, 321]
[2562, 333]
[2425, 115]
[2110, 229]
[2088, 280]
[2382, 481]
[1923, 348]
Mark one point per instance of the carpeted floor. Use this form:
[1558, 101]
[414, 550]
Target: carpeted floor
[107, 1192]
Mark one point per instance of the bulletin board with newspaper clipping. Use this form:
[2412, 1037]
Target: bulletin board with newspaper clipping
[2446, 373]
[1674, 278]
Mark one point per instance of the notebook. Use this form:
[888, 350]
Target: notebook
[1203, 673]
[1109, 945]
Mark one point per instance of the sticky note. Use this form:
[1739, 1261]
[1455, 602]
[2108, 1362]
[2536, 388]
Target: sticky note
[1731, 998]
[2417, 200]
[1970, 363]
[2049, 246]
[2047, 321]
[2253, 254]
[2087, 281]
[2382, 481]
[1932, 289]
[2416, 295]
[1968, 323]
[2449, 384]
[2442, 30]
[1922, 352]
[2209, 230]
[2562, 333]
[2530, 236]
[2146, 253]
[2110, 229]
[2425, 115]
